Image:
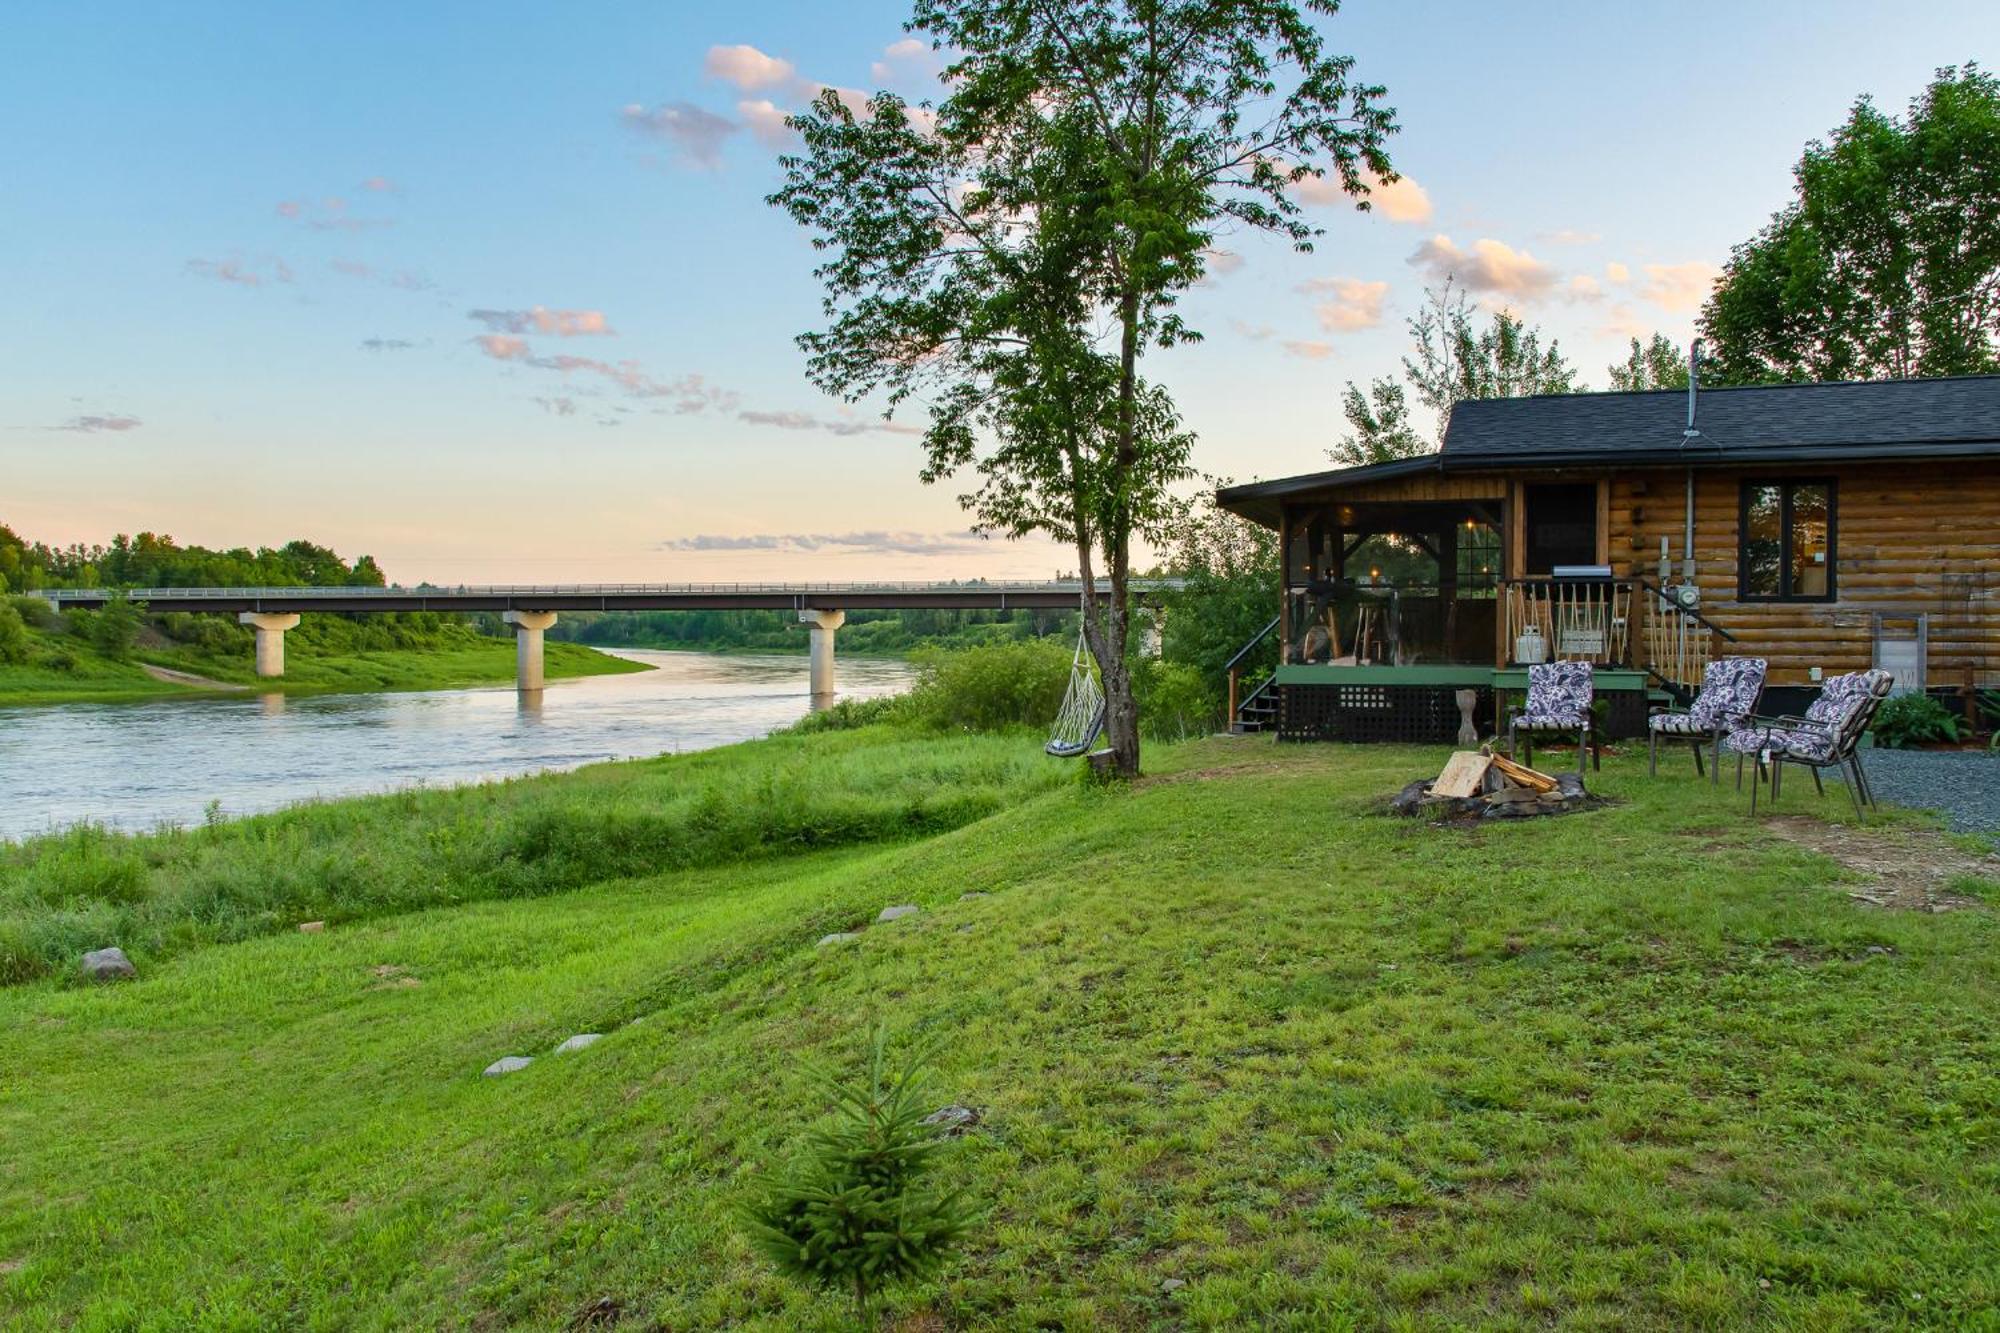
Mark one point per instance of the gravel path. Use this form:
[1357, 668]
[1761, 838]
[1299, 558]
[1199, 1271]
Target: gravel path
[1964, 784]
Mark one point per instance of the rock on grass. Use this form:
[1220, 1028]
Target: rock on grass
[108, 965]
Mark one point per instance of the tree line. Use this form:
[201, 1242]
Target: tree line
[1885, 265]
[151, 560]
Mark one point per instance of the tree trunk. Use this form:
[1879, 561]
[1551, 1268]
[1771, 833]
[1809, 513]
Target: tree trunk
[1121, 710]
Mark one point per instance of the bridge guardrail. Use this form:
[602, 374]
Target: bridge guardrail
[599, 589]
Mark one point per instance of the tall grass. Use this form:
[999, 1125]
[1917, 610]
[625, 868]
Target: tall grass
[161, 894]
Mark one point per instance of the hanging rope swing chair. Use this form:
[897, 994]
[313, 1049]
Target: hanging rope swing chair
[1081, 717]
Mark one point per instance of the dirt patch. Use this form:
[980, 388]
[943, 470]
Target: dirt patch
[391, 976]
[1219, 771]
[1903, 869]
[173, 677]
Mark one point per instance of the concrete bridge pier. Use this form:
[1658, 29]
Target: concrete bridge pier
[270, 627]
[528, 627]
[822, 625]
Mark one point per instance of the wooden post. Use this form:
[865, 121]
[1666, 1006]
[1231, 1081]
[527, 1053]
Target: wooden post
[1284, 585]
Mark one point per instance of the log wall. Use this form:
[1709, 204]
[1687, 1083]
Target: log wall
[1909, 537]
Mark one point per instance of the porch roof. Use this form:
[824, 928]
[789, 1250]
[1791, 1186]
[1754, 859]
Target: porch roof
[1259, 501]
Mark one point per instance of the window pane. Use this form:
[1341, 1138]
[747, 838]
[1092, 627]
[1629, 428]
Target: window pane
[1763, 542]
[1809, 530]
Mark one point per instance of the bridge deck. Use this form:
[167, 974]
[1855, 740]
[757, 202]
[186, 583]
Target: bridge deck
[616, 597]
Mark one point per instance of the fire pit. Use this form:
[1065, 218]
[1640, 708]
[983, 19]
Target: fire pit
[1478, 784]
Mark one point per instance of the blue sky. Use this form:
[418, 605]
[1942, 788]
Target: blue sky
[490, 290]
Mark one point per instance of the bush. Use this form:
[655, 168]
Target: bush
[37, 613]
[115, 629]
[1175, 701]
[1915, 719]
[992, 686]
[13, 636]
[849, 714]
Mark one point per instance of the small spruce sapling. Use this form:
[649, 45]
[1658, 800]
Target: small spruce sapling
[856, 1213]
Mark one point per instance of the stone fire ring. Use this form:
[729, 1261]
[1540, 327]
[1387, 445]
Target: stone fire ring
[1569, 797]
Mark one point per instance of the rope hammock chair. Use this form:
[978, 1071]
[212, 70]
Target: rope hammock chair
[1081, 717]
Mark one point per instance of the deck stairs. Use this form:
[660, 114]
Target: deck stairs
[1257, 711]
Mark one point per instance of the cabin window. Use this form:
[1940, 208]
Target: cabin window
[1562, 526]
[1786, 541]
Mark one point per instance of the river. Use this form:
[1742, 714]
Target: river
[138, 765]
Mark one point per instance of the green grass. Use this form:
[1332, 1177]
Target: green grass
[163, 894]
[1640, 1068]
[95, 678]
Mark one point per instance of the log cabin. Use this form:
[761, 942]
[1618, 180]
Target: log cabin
[1825, 527]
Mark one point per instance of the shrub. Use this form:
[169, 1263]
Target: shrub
[1175, 701]
[992, 686]
[37, 613]
[13, 636]
[1915, 719]
[855, 1215]
[115, 629]
[851, 713]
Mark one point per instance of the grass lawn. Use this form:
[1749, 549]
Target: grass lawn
[1647, 1067]
[96, 679]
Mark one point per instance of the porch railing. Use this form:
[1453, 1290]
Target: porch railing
[1581, 620]
[1680, 642]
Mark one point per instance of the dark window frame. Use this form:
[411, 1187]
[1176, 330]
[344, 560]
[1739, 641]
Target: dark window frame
[1785, 487]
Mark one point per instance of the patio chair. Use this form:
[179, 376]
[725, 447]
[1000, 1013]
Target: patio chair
[1559, 697]
[1730, 688]
[1828, 736]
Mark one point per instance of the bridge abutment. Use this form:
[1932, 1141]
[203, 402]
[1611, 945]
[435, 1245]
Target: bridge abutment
[822, 625]
[528, 628]
[270, 627]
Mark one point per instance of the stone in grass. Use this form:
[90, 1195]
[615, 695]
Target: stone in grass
[951, 1121]
[579, 1042]
[1173, 1284]
[311, 927]
[108, 965]
[898, 912]
[508, 1064]
[838, 937]
[968, 897]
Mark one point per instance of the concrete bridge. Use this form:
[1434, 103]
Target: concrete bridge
[532, 609]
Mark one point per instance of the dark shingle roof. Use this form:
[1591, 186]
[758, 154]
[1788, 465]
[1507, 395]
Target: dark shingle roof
[1778, 423]
[1769, 423]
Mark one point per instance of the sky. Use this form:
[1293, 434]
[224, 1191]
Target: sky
[490, 291]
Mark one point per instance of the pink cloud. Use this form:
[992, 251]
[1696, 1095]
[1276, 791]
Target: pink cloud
[91, 425]
[1354, 304]
[503, 346]
[541, 319]
[1310, 349]
[1489, 266]
[379, 185]
[747, 67]
[767, 123]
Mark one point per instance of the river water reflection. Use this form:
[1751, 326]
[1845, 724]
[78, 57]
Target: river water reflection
[133, 766]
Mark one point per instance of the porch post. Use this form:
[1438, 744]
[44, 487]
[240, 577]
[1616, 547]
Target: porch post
[1284, 584]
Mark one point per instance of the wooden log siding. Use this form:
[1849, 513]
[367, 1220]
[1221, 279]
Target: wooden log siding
[1909, 537]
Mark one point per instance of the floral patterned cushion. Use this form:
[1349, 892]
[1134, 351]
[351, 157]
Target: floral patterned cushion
[1730, 687]
[1784, 743]
[1729, 690]
[1559, 695]
[1845, 706]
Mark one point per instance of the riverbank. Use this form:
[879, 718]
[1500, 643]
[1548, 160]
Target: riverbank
[1242, 1052]
[67, 670]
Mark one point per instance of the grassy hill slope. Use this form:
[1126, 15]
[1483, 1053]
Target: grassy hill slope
[1644, 1068]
